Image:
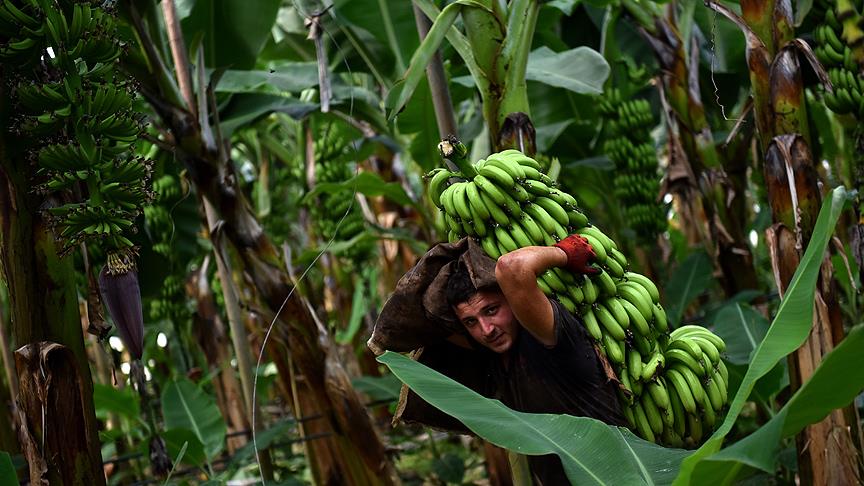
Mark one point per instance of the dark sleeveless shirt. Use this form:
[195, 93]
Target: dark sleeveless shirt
[565, 379]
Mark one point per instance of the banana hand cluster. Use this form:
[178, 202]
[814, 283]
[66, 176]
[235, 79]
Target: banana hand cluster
[76, 119]
[630, 147]
[677, 397]
[508, 204]
[840, 47]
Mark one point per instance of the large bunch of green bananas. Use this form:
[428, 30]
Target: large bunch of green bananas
[75, 116]
[505, 202]
[630, 147]
[840, 48]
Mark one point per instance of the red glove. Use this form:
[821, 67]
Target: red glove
[579, 254]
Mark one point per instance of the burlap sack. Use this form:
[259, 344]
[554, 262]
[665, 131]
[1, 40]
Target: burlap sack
[417, 313]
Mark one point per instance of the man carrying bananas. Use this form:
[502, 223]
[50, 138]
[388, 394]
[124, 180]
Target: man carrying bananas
[489, 326]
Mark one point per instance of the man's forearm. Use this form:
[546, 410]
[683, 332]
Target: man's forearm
[522, 266]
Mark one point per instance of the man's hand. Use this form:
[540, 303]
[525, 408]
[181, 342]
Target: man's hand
[579, 254]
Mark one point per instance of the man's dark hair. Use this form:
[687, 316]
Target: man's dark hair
[460, 288]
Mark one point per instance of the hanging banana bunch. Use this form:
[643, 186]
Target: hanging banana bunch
[840, 49]
[674, 384]
[75, 118]
[631, 149]
[170, 304]
[337, 215]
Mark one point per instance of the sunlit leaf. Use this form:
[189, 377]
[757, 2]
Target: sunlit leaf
[581, 70]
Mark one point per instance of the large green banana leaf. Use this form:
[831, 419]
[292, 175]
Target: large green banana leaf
[591, 451]
[790, 328]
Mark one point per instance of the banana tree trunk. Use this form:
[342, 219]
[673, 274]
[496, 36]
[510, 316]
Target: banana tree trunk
[43, 307]
[357, 454]
[700, 168]
[829, 451]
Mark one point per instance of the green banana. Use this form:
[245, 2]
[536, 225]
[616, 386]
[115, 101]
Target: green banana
[591, 324]
[633, 295]
[519, 236]
[614, 269]
[655, 363]
[554, 209]
[537, 188]
[657, 389]
[590, 291]
[636, 318]
[660, 322]
[608, 244]
[678, 411]
[642, 424]
[646, 283]
[682, 389]
[490, 247]
[694, 428]
[693, 382]
[634, 363]
[460, 203]
[682, 357]
[715, 398]
[605, 283]
[614, 349]
[695, 330]
[596, 245]
[532, 228]
[543, 218]
[613, 328]
[497, 175]
[652, 413]
[617, 310]
[497, 213]
[505, 241]
[500, 197]
[476, 201]
[447, 201]
[508, 165]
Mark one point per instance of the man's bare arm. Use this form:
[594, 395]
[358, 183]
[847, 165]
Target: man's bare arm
[517, 273]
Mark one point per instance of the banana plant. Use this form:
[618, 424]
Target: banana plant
[794, 195]
[76, 126]
[495, 48]
[354, 451]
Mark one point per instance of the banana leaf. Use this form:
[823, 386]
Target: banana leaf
[690, 279]
[187, 406]
[581, 70]
[591, 451]
[789, 330]
[7, 470]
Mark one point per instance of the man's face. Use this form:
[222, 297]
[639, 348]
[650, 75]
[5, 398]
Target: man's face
[489, 320]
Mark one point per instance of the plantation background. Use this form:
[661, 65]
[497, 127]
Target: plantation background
[286, 145]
